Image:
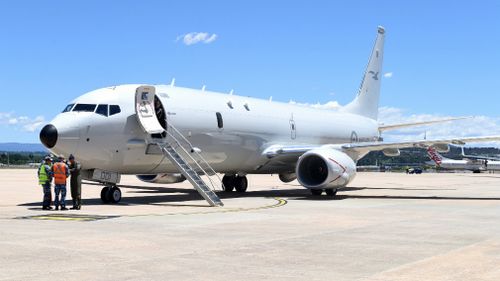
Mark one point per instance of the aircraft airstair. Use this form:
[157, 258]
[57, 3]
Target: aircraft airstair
[191, 165]
[175, 146]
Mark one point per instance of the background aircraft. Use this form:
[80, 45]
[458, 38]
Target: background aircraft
[469, 162]
[168, 134]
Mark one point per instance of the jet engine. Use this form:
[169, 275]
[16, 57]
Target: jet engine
[325, 169]
[441, 147]
[162, 178]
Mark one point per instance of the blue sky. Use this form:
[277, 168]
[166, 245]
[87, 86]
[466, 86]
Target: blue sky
[443, 55]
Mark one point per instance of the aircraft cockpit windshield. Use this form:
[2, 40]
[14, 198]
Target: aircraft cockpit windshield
[68, 108]
[101, 109]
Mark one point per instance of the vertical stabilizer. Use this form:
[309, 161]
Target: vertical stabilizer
[435, 156]
[366, 102]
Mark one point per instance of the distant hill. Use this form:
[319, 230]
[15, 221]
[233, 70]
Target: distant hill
[22, 147]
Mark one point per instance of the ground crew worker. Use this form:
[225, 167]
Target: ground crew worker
[45, 178]
[61, 172]
[75, 182]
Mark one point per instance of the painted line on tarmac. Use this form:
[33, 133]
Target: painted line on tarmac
[68, 217]
[280, 202]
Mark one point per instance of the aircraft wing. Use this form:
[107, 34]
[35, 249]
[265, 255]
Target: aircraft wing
[360, 148]
[376, 146]
[384, 127]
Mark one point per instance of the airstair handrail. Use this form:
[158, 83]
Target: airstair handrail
[190, 155]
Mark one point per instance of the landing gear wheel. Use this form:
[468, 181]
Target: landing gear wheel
[228, 182]
[241, 184]
[104, 194]
[316, 192]
[331, 192]
[114, 195]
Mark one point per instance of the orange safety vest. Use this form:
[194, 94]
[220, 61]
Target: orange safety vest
[59, 173]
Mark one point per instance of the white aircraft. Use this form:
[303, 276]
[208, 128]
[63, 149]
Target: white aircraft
[167, 134]
[471, 163]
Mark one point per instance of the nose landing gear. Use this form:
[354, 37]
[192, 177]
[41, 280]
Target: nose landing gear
[111, 194]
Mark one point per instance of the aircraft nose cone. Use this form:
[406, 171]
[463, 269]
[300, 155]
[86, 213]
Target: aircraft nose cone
[48, 136]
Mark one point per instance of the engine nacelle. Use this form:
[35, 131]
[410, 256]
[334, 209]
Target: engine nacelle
[441, 147]
[325, 168]
[162, 178]
[391, 152]
[287, 177]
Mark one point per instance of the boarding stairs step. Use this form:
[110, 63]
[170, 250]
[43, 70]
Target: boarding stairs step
[191, 174]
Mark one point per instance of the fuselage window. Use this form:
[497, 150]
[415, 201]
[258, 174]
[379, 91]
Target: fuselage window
[84, 107]
[68, 107]
[114, 109]
[220, 122]
[102, 109]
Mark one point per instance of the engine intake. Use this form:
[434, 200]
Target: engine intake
[325, 168]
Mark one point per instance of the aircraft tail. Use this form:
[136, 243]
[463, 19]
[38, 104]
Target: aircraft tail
[367, 100]
[435, 156]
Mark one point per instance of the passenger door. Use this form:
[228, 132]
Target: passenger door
[145, 110]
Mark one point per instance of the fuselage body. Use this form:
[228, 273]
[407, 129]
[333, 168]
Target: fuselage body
[249, 126]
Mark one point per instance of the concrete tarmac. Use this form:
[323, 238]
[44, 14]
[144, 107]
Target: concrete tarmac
[384, 226]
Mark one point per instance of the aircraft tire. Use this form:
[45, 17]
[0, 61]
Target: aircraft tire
[114, 194]
[331, 192]
[228, 182]
[104, 194]
[316, 192]
[241, 184]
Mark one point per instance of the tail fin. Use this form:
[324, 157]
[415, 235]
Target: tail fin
[366, 102]
[434, 155]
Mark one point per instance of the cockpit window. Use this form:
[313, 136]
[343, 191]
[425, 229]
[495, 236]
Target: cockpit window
[114, 109]
[102, 109]
[84, 107]
[68, 107]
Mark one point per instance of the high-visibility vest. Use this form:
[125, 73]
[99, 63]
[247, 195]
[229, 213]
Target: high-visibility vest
[43, 178]
[59, 173]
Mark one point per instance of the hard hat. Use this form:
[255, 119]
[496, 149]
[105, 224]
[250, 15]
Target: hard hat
[47, 158]
[60, 156]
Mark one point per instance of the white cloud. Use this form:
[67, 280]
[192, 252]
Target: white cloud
[24, 123]
[327, 105]
[33, 125]
[388, 74]
[197, 37]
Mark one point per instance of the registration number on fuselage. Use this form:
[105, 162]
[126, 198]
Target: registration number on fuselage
[106, 176]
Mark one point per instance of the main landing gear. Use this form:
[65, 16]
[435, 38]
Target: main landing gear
[111, 194]
[329, 192]
[235, 182]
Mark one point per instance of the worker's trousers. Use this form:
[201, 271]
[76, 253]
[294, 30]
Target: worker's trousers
[47, 195]
[60, 189]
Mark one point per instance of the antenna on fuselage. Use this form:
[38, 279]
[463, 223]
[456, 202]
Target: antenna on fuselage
[231, 92]
[172, 83]
[271, 98]
[203, 88]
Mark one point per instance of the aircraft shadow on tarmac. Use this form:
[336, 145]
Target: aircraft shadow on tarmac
[166, 195]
